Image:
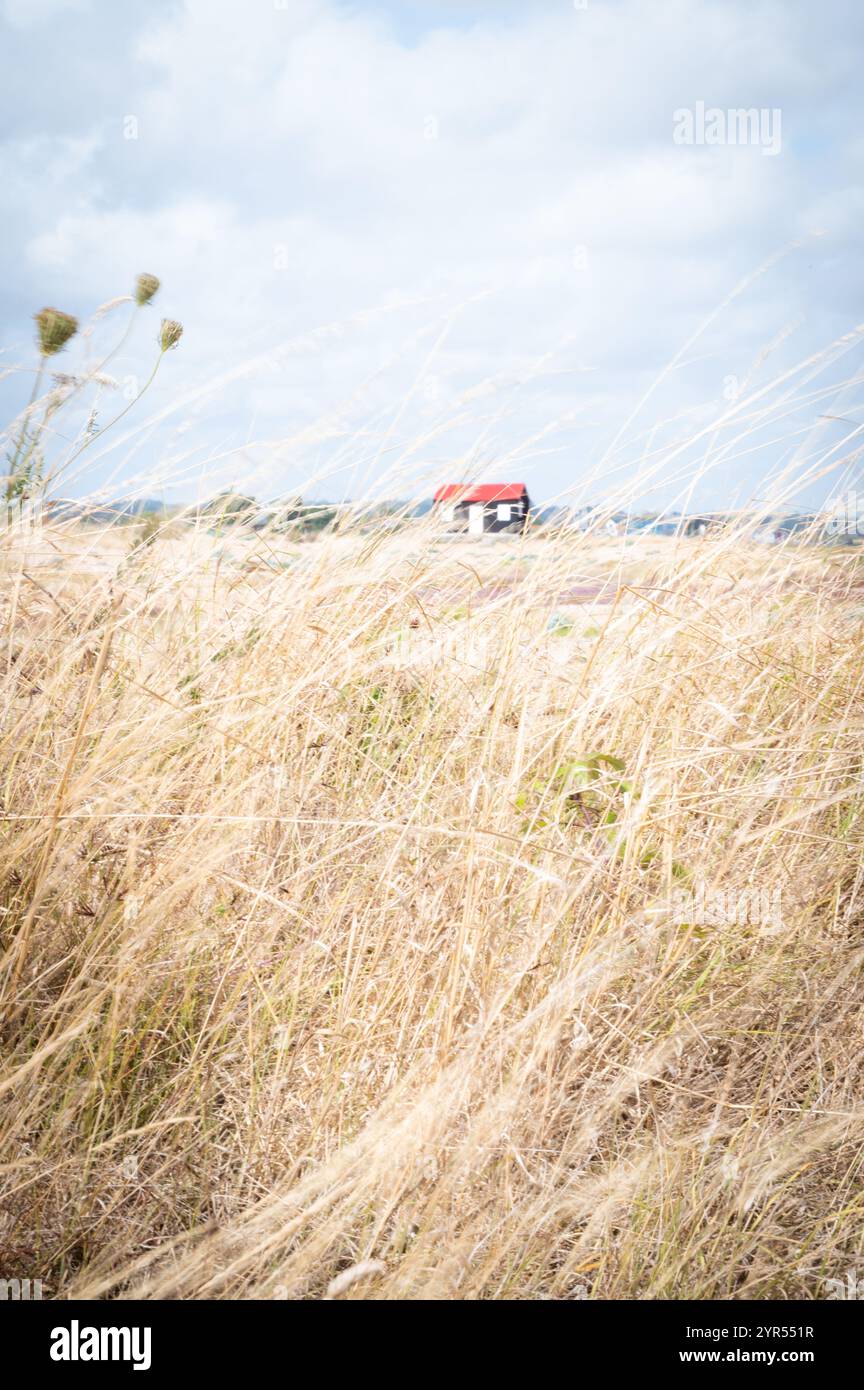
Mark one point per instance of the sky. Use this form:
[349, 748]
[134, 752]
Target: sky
[420, 242]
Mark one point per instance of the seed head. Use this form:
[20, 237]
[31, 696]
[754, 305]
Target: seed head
[145, 288]
[55, 329]
[170, 334]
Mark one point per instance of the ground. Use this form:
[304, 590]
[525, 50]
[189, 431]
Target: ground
[381, 915]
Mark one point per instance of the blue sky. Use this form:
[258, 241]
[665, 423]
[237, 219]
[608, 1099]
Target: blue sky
[412, 242]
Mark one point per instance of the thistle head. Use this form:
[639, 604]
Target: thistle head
[54, 329]
[145, 288]
[170, 334]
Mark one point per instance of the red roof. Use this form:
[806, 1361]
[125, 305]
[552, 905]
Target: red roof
[481, 492]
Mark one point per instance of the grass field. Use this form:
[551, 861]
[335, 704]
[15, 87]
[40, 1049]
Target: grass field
[353, 916]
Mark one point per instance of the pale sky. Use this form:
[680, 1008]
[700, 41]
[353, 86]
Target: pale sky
[441, 239]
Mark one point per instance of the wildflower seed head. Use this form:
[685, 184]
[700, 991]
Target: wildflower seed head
[170, 334]
[145, 288]
[55, 329]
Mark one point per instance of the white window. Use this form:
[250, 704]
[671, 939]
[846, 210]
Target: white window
[475, 518]
[503, 511]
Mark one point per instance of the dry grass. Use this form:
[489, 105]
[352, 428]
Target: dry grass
[320, 973]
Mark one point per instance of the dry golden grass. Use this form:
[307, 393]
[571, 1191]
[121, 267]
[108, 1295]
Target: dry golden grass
[323, 969]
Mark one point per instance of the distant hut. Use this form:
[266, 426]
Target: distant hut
[479, 507]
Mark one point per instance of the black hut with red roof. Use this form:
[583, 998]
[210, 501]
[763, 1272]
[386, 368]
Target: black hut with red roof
[479, 507]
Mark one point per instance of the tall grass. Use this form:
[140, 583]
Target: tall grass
[337, 958]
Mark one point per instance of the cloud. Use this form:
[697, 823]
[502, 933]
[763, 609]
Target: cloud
[26, 14]
[507, 173]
